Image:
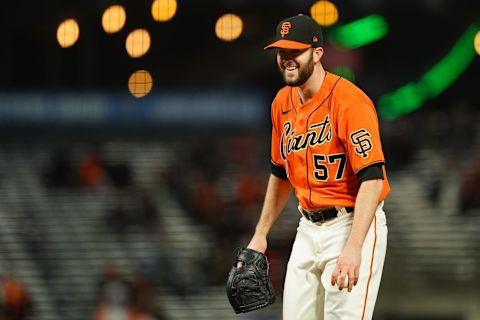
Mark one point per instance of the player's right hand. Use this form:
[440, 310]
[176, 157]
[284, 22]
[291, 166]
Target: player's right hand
[348, 266]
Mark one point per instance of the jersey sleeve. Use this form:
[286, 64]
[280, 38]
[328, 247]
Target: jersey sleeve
[358, 129]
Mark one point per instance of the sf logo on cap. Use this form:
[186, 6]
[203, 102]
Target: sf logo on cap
[285, 28]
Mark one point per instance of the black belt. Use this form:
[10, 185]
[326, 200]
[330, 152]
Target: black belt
[322, 215]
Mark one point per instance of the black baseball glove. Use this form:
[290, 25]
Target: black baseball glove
[249, 287]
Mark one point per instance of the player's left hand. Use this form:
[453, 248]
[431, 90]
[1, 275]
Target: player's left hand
[348, 266]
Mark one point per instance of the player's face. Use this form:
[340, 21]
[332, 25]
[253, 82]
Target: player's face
[296, 66]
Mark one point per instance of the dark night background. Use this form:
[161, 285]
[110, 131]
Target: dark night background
[186, 53]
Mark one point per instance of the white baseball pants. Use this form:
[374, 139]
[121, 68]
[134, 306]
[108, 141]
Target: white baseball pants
[308, 293]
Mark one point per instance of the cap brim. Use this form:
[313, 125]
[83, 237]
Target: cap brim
[288, 44]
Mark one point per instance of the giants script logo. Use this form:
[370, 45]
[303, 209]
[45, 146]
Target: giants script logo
[318, 134]
[361, 139]
[285, 28]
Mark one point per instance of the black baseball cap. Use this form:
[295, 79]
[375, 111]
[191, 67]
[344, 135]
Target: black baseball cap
[297, 32]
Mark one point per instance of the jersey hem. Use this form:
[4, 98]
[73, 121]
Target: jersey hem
[334, 203]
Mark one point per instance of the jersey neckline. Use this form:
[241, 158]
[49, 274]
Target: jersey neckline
[319, 96]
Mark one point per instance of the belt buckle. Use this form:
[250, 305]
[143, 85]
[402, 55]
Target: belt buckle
[310, 216]
[319, 214]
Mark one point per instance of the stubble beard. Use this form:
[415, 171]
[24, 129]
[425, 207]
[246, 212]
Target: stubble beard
[304, 73]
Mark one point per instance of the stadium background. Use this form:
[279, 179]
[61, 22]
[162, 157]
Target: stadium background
[118, 206]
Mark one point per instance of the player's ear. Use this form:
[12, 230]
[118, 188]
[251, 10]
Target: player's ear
[317, 53]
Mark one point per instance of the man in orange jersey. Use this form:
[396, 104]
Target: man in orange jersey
[326, 146]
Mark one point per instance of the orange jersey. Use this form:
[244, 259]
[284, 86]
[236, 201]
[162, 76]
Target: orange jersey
[323, 143]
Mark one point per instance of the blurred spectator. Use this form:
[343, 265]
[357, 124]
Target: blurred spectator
[250, 189]
[206, 155]
[106, 312]
[148, 216]
[124, 300]
[205, 202]
[141, 295]
[470, 187]
[117, 216]
[15, 303]
[130, 313]
[161, 265]
[242, 213]
[91, 170]
[113, 290]
[60, 172]
[242, 148]
[113, 295]
[120, 174]
[132, 207]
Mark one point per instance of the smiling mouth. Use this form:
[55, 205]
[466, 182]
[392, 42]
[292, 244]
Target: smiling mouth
[290, 66]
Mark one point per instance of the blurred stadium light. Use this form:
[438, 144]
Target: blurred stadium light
[138, 43]
[360, 32]
[229, 27]
[67, 33]
[477, 42]
[324, 12]
[113, 19]
[164, 10]
[412, 96]
[140, 83]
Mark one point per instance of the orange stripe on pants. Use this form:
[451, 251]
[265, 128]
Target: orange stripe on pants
[371, 265]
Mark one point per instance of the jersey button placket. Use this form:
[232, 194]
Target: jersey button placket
[302, 154]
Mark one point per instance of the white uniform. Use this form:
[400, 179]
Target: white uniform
[308, 293]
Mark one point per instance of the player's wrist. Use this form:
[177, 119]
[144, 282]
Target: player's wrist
[261, 232]
[355, 244]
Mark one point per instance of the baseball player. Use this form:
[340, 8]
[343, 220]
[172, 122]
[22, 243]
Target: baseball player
[326, 146]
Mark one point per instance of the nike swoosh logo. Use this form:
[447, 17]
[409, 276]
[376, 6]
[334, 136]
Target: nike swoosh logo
[285, 112]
